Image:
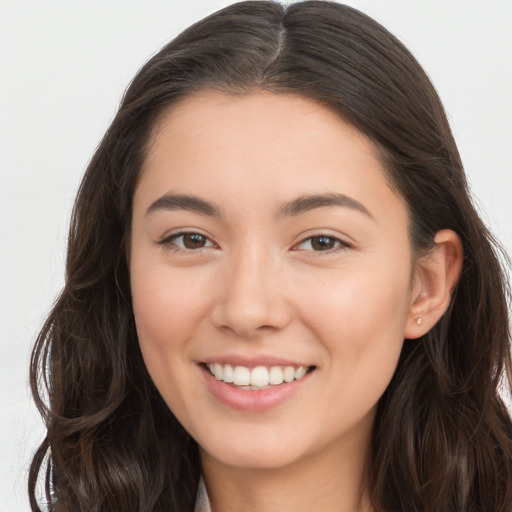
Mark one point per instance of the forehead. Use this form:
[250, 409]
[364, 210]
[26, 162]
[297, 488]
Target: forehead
[209, 113]
[261, 144]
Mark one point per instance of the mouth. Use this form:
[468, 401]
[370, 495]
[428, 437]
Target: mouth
[258, 377]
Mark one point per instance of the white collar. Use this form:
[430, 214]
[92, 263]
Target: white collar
[202, 501]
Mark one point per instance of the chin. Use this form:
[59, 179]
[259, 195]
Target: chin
[251, 453]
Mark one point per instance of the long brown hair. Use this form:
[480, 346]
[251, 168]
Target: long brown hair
[442, 439]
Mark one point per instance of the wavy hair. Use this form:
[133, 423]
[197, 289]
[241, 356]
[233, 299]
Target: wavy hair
[442, 440]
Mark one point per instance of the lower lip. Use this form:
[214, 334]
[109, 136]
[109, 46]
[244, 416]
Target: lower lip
[253, 400]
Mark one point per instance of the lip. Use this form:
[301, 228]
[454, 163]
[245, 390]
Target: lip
[253, 400]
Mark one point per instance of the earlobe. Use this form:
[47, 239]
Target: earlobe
[436, 276]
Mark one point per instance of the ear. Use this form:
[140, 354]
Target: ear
[435, 277]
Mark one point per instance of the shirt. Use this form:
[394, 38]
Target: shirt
[202, 501]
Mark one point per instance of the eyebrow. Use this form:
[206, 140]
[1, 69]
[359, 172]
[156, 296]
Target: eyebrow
[303, 204]
[307, 203]
[169, 202]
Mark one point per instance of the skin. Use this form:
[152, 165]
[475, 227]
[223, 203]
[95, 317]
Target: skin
[257, 287]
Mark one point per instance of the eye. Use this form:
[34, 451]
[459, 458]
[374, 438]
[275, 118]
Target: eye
[187, 241]
[322, 243]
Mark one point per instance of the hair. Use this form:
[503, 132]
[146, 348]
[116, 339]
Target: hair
[442, 438]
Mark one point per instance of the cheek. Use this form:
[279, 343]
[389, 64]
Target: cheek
[362, 329]
[166, 304]
[360, 317]
[367, 300]
[156, 321]
[167, 313]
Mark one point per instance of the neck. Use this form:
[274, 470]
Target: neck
[330, 482]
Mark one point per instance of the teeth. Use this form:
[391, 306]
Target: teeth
[275, 375]
[258, 377]
[300, 372]
[218, 371]
[229, 373]
[289, 373]
[242, 376]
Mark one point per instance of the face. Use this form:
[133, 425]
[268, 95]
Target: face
[271, 276]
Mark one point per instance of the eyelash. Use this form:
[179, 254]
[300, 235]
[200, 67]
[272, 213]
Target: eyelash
[170, 242]
[339, 245]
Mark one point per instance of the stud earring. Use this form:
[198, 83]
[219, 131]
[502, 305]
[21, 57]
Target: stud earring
[419, 320]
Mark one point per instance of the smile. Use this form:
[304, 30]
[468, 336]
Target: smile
[256, 387]
[258, 378]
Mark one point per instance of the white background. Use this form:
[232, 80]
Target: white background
[63, 68]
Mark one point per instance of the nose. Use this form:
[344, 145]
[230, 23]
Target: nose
[251, 299]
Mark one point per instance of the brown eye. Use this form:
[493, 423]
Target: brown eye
[194, 241]
[187, 242]
[323, 243]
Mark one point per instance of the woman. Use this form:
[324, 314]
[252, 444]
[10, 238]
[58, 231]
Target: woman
[278, 293]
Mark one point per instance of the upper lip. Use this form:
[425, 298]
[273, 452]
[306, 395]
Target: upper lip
[253, 361]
